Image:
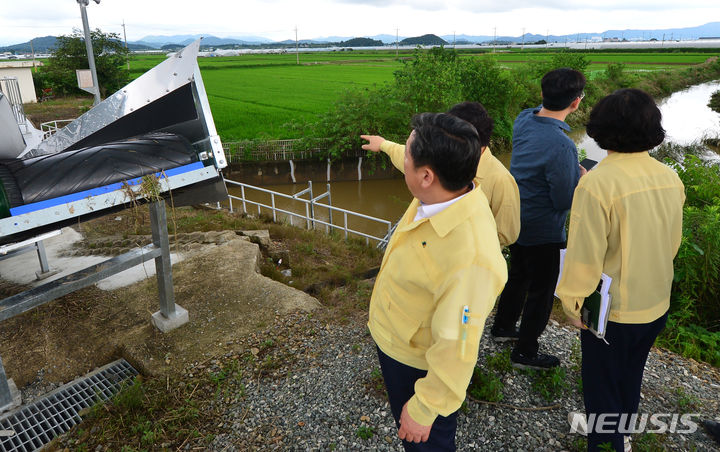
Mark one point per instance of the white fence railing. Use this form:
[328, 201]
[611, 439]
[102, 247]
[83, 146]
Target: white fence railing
[309, 217]
[49, 128]
[10, 87]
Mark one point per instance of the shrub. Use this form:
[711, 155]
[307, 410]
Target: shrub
[486, 386]
[715, 101]
[693, 327]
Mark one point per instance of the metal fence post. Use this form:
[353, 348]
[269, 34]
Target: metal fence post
[272, 198]
[312, 205]
[242, 190]
[330, 210]
[42, 257]
[9, 395]
[170, 315]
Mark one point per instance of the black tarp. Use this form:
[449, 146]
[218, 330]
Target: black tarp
[55, 175]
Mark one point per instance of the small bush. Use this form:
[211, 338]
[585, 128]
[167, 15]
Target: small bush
[715, 101]
[486, 386]
[365, 432]
[550, 384]
[500, 362]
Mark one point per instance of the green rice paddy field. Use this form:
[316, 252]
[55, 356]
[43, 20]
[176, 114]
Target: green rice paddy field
[259, 95]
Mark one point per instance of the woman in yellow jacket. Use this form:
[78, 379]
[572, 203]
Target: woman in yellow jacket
[626, 222]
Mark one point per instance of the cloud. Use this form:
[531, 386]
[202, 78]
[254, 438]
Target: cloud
[494, 6]
[39, 11]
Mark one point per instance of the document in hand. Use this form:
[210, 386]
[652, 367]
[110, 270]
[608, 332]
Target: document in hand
[596, 308]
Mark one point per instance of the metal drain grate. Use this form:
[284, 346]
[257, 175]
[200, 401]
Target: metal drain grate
[57, 412]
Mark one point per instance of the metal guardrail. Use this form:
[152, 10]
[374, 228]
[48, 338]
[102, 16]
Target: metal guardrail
[310, 218]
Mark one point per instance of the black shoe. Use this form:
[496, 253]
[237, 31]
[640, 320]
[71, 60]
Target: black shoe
[503, 335]
[713, 428]
[540, 361]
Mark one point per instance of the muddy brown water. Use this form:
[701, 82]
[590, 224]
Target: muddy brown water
[686, 118]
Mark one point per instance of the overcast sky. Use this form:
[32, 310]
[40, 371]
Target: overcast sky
[21, 20]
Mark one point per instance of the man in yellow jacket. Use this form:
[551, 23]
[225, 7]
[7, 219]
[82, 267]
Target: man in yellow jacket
[439, 279]
[493, 178]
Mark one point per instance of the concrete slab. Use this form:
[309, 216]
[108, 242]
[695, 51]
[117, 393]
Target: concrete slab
[165, 324]
[21, 269]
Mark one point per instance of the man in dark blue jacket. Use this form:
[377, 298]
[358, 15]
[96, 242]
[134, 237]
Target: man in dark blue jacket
[545, 166]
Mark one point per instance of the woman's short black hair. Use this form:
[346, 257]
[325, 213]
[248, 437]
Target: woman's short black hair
[448, 145]
[475, 114]
[561, 87]
[627, 120]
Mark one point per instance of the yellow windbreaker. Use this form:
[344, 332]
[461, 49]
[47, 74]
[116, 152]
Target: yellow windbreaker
[626, 222]
[432, 268]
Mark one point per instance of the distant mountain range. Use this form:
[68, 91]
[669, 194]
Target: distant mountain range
[712, 29]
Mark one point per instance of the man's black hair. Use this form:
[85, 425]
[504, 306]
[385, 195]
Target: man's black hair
[627, 120]
[448, 145]
[475, 114]
[561, 87]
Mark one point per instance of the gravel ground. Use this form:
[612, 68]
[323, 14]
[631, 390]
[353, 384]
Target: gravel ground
[312, 386]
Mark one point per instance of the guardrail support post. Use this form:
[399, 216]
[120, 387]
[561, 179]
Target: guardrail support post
[330, 204]
[9, 395]
[312, 205]
[170, 315]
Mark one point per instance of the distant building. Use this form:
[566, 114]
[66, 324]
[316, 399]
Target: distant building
[23, 71]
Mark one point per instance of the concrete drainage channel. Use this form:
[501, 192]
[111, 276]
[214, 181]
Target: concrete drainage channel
[29, 428]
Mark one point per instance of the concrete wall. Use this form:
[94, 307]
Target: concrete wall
[23, 71]
[281, 172]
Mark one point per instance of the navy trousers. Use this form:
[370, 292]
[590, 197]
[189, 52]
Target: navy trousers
[400, 384]
[612, 374]
[529, 290]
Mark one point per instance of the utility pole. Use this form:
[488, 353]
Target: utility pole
[523, 40]
[547, 38]
[126, 47]
[397, 33]
[453, 39]
[88, 47]
[494, 38]
[297, 52]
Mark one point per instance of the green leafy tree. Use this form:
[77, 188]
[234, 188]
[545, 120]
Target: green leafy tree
[430, 81]
[483, 80]
[70, 54]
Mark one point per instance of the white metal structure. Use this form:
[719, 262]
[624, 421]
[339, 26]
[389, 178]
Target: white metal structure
[309, 218]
